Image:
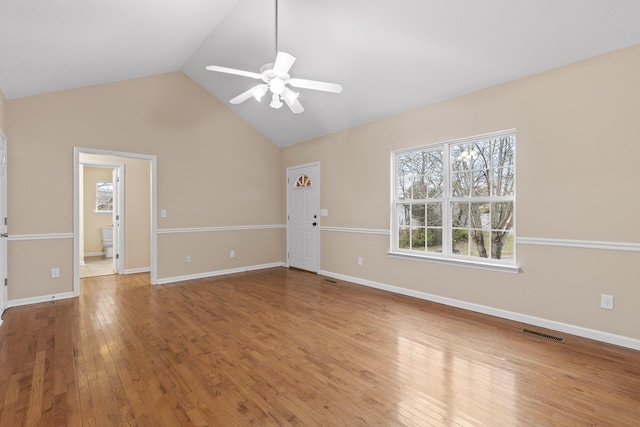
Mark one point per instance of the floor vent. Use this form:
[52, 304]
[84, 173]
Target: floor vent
[330, 281]
[540, 334]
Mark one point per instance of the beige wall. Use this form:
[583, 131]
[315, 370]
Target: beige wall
[214, 169]
[93, 221]
[578, 137]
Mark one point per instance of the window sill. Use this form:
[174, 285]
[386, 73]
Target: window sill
[103, 212]
[504, 268]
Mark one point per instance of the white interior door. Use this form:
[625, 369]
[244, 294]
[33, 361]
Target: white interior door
[116, 179]
[303, 216]
[3, 222]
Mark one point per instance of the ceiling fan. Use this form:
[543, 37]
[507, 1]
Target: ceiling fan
[275, 79]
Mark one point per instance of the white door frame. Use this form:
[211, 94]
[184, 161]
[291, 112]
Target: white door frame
[288, 208]
[118, 235]
[3, 225]
[76, 210]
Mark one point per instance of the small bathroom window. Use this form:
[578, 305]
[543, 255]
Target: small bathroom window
[104, 197]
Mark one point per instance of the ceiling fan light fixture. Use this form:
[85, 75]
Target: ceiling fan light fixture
[259, 91]
[276, 85]
[276, 102]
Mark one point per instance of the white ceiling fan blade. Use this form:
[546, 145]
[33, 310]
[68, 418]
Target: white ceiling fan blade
[234, 71]
[291, 99]
[256, 91]
[283, 63]
[316, 85]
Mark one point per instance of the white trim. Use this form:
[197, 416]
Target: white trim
[584, 244]
[219, 273]
[580, 331]
[504, 268]
[49, 236]
[40, 299]
[90, 254]
[223, 228]
[356, 230]
[587, 244]
[138, 270]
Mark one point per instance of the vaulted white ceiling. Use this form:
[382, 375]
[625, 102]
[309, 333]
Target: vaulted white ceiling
[390, 56]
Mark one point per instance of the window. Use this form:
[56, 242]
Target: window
[104, 197]
[302, 181]
[455, 201]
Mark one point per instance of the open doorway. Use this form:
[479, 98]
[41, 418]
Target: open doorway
[101, 222]
[122, 199]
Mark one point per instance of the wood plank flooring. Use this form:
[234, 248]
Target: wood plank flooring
[283, 347]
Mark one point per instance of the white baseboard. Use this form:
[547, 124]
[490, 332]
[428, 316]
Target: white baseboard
[218, 273]
[505, 314]
[138, 270]
[90, 254]
[37, 300]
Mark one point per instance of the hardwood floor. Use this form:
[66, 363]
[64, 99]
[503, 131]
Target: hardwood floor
[285, 347]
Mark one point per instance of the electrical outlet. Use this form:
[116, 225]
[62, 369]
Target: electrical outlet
[232, 254]
[188, 258]
[55, 273]
[606, 301]
[359, 260]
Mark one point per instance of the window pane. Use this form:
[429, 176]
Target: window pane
[417, 215]
[460, 184]
[460, 215]
[503, 181]
[503, 151]
[404, 188]
[419, 188]
[503, 245]
[481, 155]
[404, 215]
[434, 214]
[435, 178]
[480, 183]
[418, 239]
[460, 242]
[481, 245]
[480, 216]
[434, 240]
[502, 215]
[461, 155]
[403, 238]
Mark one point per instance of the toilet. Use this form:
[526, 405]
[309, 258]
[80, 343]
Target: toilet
[107, 240]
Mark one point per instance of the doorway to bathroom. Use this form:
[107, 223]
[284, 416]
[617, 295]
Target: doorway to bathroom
[127, 204]
[101, 221]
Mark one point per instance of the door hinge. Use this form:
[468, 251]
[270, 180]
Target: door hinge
[287, 255]
[5, 220]
[288, 218]
[6, 281]
[117, 217]
[117, 256]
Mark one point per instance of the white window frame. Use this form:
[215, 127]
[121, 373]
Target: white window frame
[447, 256]
[99, 211]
